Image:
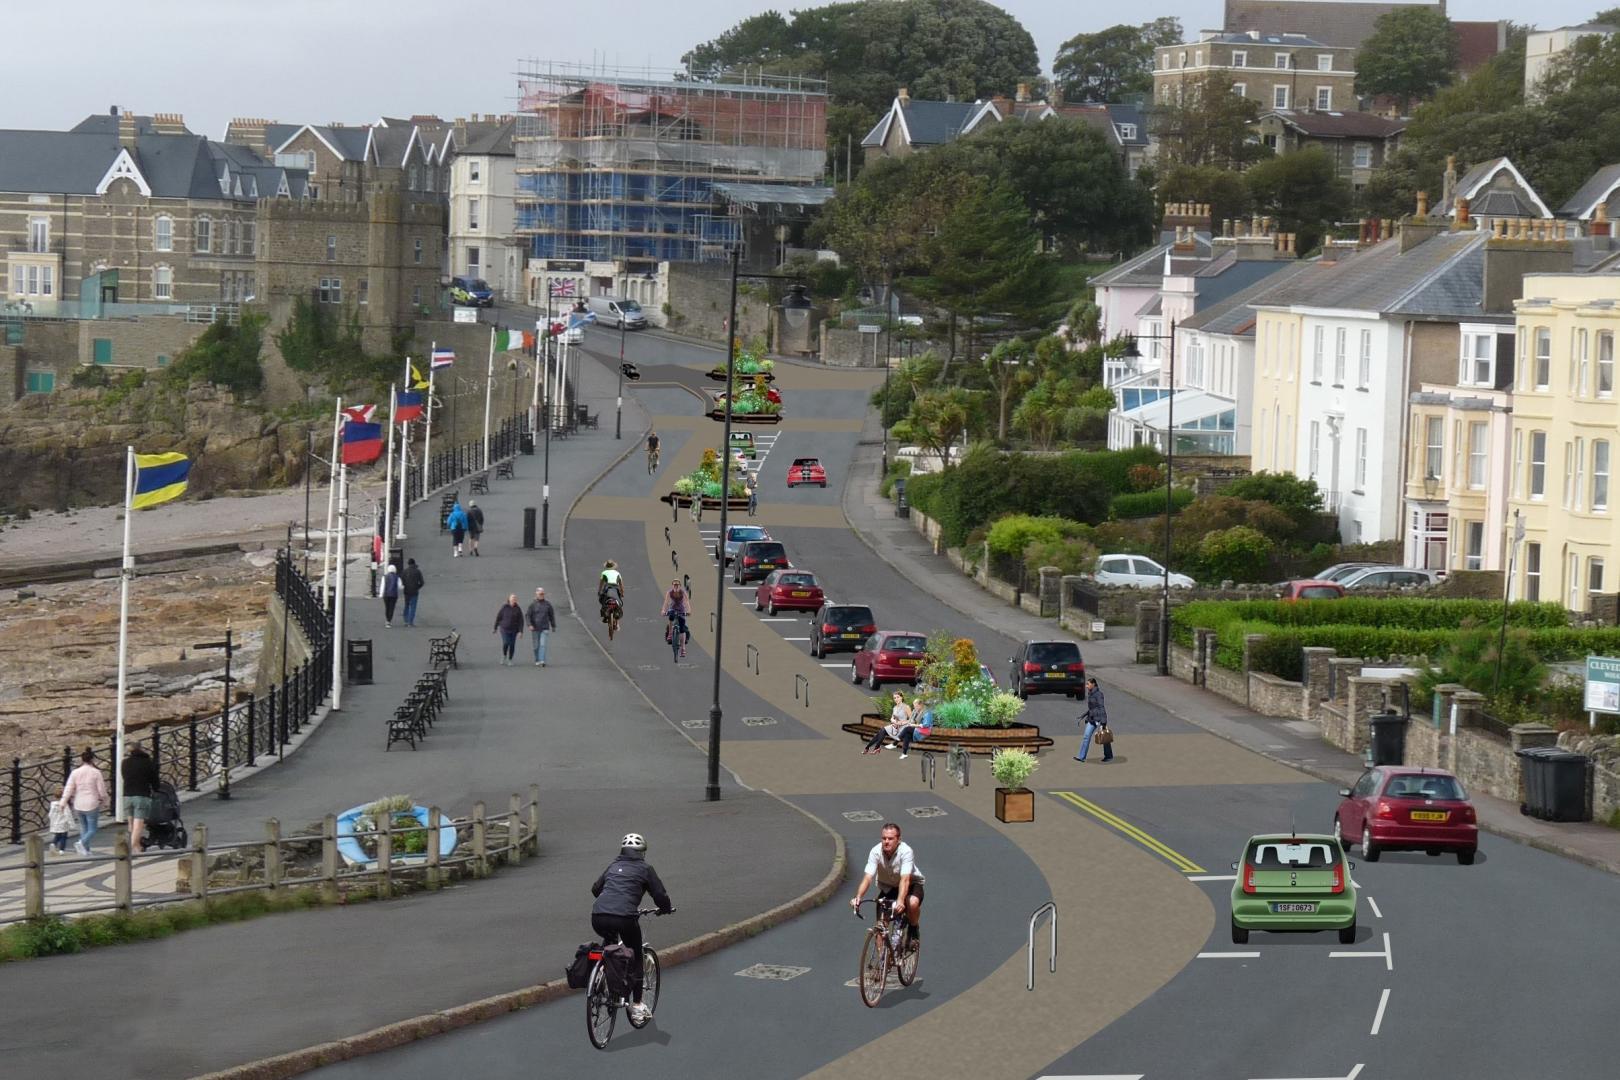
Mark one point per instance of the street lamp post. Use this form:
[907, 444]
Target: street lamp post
[1132, 352]
[545, 483]
[618, 405]
[712, 791]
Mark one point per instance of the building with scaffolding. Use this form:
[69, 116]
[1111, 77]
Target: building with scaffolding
[618, 173]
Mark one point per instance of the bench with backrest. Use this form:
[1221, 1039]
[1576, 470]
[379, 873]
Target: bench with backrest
[591, 419]
[480, 484]
[503, 471]
[406, 726]
[442, 650]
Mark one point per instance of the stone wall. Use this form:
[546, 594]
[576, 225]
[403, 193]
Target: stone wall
[700, 302]
[1271, 696]
[846, 348]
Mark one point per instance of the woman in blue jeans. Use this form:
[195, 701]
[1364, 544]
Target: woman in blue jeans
[509, 624]
[1096, 719]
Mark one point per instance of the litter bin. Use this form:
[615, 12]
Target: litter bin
[1566, 785]
[582, 414]
[359, 661]
[396, 556]
[526, 442]
[902, 508]
[1536, 798]
[1388, 738]
[528, 526]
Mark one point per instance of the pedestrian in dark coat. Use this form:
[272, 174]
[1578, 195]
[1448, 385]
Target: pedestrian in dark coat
[141, 781]
[475, 523]
[542, 621]
[1096, 720]
[410, 583]
[390, 594]
[509, 624]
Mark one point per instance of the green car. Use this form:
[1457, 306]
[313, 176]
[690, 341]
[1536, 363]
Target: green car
[742, 442]
[1294, 882]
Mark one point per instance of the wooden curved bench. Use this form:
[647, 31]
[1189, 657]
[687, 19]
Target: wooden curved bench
[978, 740]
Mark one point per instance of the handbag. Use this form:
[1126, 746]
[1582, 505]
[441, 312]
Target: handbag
[1105, 737]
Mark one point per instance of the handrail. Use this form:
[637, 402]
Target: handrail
[1051, 906]
[797, 680]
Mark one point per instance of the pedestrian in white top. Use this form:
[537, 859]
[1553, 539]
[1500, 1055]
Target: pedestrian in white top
[86, 792]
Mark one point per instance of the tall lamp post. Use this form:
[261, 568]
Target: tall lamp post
[712, 791]
[618, 405]
[1132, 352]
[545, 483]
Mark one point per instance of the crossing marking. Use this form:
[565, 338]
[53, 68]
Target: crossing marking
[1175, 858]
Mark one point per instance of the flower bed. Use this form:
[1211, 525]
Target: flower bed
[747, 362]
[703, 483]
[357, 843]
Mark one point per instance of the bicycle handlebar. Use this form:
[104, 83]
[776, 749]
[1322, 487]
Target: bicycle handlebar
[654, 911]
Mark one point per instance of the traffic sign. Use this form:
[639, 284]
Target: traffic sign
[1602, 684]
[869, 328]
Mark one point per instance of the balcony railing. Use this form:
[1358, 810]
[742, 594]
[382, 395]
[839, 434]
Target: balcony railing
[45, 308]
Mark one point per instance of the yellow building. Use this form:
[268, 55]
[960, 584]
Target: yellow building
[1566, 423]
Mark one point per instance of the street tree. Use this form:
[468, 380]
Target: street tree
[1108, 64]
[938, 419]
[1411, 54]
[1303, 191]
[1008, 368]
[1209, 127]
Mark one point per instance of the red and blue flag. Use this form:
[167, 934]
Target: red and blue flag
[408, 407]
[362, 443]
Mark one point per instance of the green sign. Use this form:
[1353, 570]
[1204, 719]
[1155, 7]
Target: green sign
[1602, 684]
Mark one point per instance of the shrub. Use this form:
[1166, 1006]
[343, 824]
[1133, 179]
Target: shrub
[1097, 397]
[1071, 556]
[1141, 504]
[1278, 655]
[1298, 497]
[89, 377]
[1470, 657]
[897, 469]
[1002, 709]
[1239, 553]
[956, 714]
[1009, 536]
[1012, 767]
[1144, 477]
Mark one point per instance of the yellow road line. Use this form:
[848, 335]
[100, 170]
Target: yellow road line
[1176, 859]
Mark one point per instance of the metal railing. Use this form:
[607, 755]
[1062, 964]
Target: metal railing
[1078, 595]
[459, 462]
[191, 752]
[521, 824]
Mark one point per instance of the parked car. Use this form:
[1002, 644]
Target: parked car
[844, 627]
[757, 558]
[1137, 571]
[806, 470]
[788, 590]
[742, 442]
[471, 292]
[736, 536]
[889, 656]
[1340, 571]
[1311, 589]
[1384, 577]
[1294, 883]
[1396, 808]
[616, 312]
[1046, 667]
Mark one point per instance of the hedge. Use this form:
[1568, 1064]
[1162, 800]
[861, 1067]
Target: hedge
[1141, 504]
[1412, 613]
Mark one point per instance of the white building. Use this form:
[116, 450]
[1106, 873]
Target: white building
[483, 183]
[1543, 48]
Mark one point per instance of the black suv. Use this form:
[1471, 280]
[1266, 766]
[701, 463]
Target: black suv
[757, 558]
[841, 627]
[1047, 667]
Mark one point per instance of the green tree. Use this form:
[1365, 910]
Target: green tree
[1481, 660]
[938, 420]
[1412, 53]
[1237, 554]
[1039, 415]
[1108, 64]
[1008, 369]
[1303, 191]
[1209, 127]
[225, 355]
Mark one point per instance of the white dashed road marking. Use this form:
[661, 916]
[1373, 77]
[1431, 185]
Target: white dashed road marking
[1227, 955]
[1374, 905]
[1378, 1017]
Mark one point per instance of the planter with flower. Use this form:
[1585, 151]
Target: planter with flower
[703, 483]
[751, 362]
[755, 404]
[963, 706]
[1014, 801]
[407, 823]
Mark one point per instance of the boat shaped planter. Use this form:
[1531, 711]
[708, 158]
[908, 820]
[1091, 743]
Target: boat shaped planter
[718, 374]
[353, 854]
[710, 502]
[746, 418]
[975, 740]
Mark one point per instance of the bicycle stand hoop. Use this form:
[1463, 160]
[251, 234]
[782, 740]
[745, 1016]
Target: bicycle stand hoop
[1049, 906]
[797, 681]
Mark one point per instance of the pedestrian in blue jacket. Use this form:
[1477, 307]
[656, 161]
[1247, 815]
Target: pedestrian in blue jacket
[457, 524]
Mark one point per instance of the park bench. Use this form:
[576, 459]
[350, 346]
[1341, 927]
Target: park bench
[480, 484]
[503, 471]
[405, 726]
[591, 419]
[442, 650]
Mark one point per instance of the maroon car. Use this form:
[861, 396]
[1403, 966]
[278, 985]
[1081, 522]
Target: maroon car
[788, 590]
[889, 656]
[1312, 590]
[1395, 808]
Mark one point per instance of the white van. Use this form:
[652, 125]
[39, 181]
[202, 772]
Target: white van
[616, 312]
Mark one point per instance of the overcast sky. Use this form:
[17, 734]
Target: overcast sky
[355, 60]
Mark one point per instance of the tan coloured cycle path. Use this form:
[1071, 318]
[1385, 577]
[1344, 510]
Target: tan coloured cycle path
[1128, 920]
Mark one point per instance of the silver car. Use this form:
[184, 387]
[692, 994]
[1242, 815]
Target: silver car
[1339, 571]
[736, 537]
[1390, 577]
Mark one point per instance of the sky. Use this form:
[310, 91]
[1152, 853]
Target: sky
[315, 61]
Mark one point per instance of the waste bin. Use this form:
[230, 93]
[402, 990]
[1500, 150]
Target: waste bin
[396, 556]
[902, 508]
[1388, 739]
[359, 661]
[582, 414]
[528, 526]
[526, 442]
[1534, 764]
[1566, 785]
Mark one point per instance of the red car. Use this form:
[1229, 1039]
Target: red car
[1394, 808]
[889, 656]
[807, 470]
[1312, 590]
[788, 590]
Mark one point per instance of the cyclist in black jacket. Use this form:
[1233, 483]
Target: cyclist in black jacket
[618, 893]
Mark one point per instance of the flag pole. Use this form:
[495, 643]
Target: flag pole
[388, 483]
[127, 571]
[489, 381]
[534, 406]
[331, 495]
[404, 459]
[338, 605]
[427, 437]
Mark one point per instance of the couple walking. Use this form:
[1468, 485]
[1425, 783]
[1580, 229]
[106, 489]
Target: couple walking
[1096, 722]
[541, 620]
[465, 524]
[397, 583]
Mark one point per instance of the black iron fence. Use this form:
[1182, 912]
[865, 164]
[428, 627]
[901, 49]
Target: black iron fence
[1080, 595]
[455, 464]
[191, 752]
[1011, 569]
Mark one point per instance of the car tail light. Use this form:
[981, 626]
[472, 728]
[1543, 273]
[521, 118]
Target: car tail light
[1385, 809]
[868, 629]
[1248, 877]
[884, 658]
[1338, 877]
[1030, 667]
[1079, 669]
[749, 560]
[1465, 814]
[828, 628]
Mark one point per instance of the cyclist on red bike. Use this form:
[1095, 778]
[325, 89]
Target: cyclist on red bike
[618, 893]
[899, 879]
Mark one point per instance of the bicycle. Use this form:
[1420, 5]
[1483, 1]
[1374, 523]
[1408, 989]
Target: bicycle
[652, 460]
[601, 1006]
[884, 942]
[615, 611]
[677, 634]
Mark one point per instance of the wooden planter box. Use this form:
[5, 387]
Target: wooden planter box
[749, 418]
[1015, 804]
[981, 741]
[718, 374]
[736, 502]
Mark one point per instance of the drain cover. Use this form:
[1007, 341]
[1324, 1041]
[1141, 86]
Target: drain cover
[862, 815]
[779, 972]
[925, 811]
[759, 721]
[704, 722]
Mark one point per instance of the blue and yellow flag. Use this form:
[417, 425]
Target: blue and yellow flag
[159, 478]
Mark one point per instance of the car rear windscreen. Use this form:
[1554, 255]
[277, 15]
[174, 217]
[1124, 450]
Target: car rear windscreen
[905, 643]
[850, 616]
[804, 580]
[1318, 592]
[1424, 787]
[1054, 652]
[747, 532]
[1293, 855]
[767, 549]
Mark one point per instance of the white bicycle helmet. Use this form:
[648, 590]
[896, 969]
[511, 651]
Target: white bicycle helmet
[633, 842]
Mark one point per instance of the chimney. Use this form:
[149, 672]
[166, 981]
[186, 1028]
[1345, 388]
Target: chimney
[169, 124]
[903, 95]
[1600, 221]
[1414, 230]
[1186, 243]
[1509, 258]
[1448, 189]
[126, 130]
[1023, 93]
[1422, 204]
[1462, 220]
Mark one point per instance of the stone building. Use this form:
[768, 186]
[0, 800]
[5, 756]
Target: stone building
[1278, 70]
[1356, 142]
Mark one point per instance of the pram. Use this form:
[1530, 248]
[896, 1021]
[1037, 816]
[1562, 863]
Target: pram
[164, 828]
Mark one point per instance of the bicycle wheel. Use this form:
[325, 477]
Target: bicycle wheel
[599, 1011]
[874, 967]
[650, 972]
[906, 967]
[613, 625]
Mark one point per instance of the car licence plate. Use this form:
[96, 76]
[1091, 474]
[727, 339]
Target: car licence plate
[801, 594]
[1429, 815]
[909, 663]
[1057, 674]
[1294, 909]
[856, 636]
